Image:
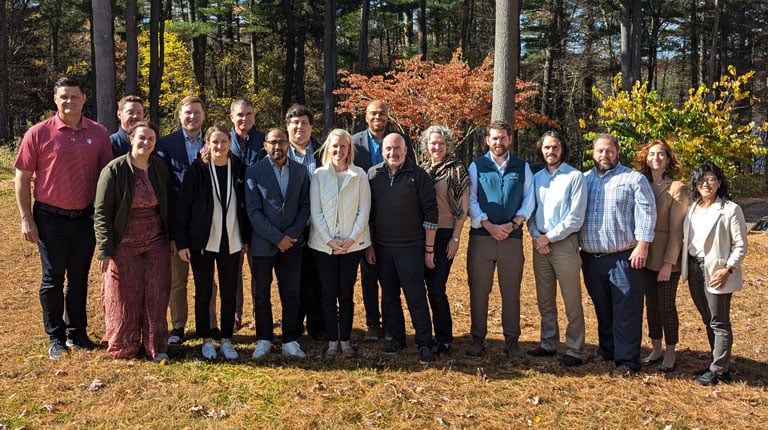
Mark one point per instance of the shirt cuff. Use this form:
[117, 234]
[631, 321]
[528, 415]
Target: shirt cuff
[430, 225]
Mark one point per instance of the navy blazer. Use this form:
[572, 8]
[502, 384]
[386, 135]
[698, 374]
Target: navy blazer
[272, 216]
[173, 150]
[254, 147]
[363, 152]
[121, 143]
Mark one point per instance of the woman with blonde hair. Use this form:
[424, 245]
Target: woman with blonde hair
[340, 202]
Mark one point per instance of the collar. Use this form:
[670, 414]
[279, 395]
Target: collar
[59, 123]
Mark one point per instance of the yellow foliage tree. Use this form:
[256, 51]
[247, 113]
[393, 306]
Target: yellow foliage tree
[704, 128]
[178, 79]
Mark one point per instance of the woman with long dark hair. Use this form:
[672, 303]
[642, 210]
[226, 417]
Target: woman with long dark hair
[715, 239]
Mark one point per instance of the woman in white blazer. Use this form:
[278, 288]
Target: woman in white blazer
[715, 238]
[340, 202]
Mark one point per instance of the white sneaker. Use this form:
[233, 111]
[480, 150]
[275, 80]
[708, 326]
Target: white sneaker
[229, 351]
[209, 351]
[262, 348]
[292, 349]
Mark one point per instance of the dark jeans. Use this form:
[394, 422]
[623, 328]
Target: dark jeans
[369, 278]
[338, 274]
[311, 297]
[436, 280]
[404, 267]
[616, 290]
[202, 264]
[66, 248]
[287, 267]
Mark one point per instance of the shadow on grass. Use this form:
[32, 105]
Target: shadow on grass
[493, 365]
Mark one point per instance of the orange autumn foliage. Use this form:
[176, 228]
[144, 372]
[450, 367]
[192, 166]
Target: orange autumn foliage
[424, 93]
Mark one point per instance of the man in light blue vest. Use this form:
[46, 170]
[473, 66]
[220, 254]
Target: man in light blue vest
[501, 199]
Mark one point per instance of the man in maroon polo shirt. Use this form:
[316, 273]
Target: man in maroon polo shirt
[64, 156]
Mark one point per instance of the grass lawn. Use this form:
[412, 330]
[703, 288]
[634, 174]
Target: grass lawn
[372, 390]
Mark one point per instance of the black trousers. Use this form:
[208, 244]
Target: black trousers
[202, 264]
[338, 274]
[311, 296]
[404, 267]
[287, 267]
[436, 280]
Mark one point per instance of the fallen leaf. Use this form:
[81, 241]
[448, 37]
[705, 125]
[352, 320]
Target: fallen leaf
[442, 421]
[49, 408]
[96, 385]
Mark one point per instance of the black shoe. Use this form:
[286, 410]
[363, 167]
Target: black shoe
[216, 334]
[441, 348]
[393, 347]
[176, 337]
[477, 348]
[540, 352]
[425, 355]
[57, 350]
[706, 379]
[80, 340]
[570, 361]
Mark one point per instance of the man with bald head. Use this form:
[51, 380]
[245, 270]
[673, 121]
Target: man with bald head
[403, 226]
[368, 153]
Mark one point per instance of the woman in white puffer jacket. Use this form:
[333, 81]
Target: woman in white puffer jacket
[340, 202]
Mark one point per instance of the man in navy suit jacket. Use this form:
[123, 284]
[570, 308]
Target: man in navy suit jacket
[368, 153]
[178, 150]
[277, 202]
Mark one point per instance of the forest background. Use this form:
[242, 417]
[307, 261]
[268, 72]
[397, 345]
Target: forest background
[433, 59]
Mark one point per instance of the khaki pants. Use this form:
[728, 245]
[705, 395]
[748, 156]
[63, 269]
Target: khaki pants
[178, 300]
[485, 254]
[562, 265]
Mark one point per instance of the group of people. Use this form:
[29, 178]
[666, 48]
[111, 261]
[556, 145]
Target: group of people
[314, 213]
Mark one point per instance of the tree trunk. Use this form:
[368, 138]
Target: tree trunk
[631, 20]
[301, 59]
[653, 41]
[5, 88]
[694, 41]
[505, 63]
[362, 43]
[199, 48]
[290, 53]
[132, 49]
[422, 31]
[408, 28]
[104, 63]
[714, 43]
[467, 19]
[155, 67]
[329, 70]
[254, 56]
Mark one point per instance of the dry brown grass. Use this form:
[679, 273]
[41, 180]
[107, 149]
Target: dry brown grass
[372, 390]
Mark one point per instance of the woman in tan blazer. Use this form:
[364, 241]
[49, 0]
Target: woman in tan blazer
[715, 239]
[660, 165]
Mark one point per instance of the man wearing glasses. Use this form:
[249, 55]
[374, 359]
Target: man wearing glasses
[277, 201]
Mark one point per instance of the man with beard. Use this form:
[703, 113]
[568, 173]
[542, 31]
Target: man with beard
[368, 153]
[618, 227]
[130, 110]
[277, 202]
[500, 200]
[560, 204]
[403, 226]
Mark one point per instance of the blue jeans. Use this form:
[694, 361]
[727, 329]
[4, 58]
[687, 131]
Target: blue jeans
[617, 291]
[66, 248]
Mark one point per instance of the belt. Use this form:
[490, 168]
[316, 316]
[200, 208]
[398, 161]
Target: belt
[79, 213]
[604, 254]
[699, 260]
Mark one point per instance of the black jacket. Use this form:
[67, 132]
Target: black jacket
[194, 207]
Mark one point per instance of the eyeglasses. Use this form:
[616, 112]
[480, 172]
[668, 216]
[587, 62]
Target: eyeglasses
[277, 142]
[708, 180]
